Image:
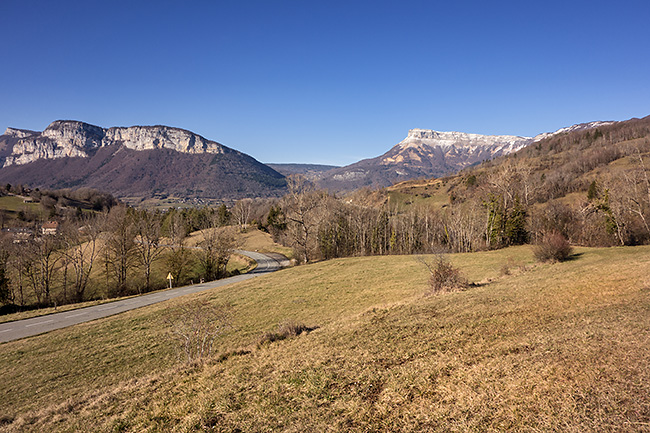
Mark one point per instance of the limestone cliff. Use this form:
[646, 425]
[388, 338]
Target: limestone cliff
[429, 153]
[64, 138]
[137, 162]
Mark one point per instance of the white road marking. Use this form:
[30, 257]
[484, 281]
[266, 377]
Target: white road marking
[39, 323]
[75, 315]
[6, 330]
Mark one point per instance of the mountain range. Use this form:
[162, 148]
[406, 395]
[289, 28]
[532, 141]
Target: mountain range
[149, 161]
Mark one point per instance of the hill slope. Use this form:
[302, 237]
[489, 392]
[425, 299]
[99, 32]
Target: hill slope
[546, 348]
[135, 162]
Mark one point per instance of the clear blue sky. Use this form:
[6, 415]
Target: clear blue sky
[326, 82]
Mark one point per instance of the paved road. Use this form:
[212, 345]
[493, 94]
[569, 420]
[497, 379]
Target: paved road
[38, 325]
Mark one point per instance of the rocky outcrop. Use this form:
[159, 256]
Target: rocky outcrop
[161, 137]
[64, 138]
[18, 133]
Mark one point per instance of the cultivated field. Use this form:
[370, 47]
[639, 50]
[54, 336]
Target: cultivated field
[530, 347]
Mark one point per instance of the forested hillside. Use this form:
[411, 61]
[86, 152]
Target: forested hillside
[592, 187]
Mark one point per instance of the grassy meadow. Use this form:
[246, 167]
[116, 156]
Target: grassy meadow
[529, 347]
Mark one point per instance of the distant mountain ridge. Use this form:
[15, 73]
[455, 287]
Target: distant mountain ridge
[138, 161]
[430, 153]
[311, 172]
[66, 138]
[143, 161]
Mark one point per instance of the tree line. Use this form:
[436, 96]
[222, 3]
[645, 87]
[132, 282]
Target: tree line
[113, 253]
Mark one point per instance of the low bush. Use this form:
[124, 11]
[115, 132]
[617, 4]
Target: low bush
[195, 326]
[444, 276]
[285, 330]
[553, 247]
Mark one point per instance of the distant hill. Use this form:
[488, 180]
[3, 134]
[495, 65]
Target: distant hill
[139, 161]
[309, 171]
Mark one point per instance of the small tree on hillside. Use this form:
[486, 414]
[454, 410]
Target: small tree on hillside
[148, 247]
[553, 248]
[81, 250]
[216, 247]
[120, 247]
[195, 326]
[443, 276]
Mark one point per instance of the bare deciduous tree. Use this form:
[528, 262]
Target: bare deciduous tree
[120, 246]
[43, 256]
[81, 249]
[241, 212]
[148, 247]
[179, 258]
[302, 210]
[216, 246]
[6, 294]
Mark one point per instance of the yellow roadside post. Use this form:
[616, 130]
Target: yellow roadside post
[170, 277]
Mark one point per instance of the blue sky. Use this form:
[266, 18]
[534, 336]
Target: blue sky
[324, 82]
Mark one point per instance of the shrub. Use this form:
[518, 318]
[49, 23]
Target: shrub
[553, 247]
[195, 326]
[285, 330]
[444, 276]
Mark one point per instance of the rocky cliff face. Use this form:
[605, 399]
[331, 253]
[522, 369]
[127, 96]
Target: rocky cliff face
[78, 139]
[457, 149]
[423, 153]
[137, 162]
[429, 153]
[19, 133]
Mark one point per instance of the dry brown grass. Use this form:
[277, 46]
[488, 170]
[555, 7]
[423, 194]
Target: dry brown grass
[561, 347]
[251, 239]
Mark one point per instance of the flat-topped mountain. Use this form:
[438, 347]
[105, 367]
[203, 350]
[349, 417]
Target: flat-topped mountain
[429, 153]
[423, 153]
[137, 161]
[65, 138]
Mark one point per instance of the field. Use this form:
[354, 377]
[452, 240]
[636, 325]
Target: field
[530, 347]
[13, 204]
[432, 192]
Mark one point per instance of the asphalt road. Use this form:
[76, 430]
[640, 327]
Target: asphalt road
[38, 325]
